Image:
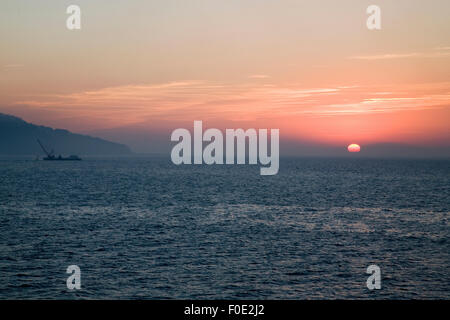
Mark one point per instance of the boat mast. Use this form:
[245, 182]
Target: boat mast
[47, 153]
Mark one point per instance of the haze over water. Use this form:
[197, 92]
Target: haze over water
[145, 228]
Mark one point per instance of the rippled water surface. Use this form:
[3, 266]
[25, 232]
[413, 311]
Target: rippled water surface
[147, 229]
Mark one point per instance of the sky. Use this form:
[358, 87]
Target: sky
[137, 70]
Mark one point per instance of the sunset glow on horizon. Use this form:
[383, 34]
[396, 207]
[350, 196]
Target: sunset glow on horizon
[312, 70]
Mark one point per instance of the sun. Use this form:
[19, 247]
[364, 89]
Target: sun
[354, 147]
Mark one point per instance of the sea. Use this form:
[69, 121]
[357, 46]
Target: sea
[144, 228]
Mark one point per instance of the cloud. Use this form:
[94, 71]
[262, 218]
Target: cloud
[437, 53]
[386, 56]
[11, 66]
[442, 48]
[258, 76]
[190, 100]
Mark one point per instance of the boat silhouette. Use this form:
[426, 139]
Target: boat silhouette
[51, 155]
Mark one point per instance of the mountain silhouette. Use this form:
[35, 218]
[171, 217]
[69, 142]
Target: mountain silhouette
[18, 137]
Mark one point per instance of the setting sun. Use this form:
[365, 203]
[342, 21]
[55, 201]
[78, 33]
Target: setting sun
[354, 148]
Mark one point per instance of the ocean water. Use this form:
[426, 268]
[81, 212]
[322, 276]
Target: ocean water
[146, 229]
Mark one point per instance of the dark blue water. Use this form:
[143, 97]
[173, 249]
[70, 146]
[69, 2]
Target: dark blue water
[145, 228]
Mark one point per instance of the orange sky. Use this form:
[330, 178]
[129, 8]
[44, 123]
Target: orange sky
[311, 69]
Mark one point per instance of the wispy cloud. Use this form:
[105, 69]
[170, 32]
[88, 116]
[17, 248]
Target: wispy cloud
[11, 66]
[436, 53]
[258, 76]
[386, 56]
[442, 48]
[187, 100]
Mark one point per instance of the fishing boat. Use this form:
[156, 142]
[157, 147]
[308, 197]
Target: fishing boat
[51, 156]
